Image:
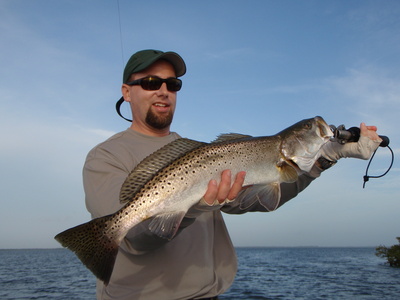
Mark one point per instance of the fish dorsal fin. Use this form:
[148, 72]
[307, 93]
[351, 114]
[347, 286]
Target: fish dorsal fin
[230, 137]
[268, 195]
[153, 163]
[288, 173]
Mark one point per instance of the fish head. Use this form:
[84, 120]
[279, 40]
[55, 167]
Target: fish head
[301, 143]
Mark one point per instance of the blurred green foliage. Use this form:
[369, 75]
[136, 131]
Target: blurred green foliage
[392, 254]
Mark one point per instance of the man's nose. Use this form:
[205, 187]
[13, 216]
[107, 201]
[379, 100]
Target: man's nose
[163, 89]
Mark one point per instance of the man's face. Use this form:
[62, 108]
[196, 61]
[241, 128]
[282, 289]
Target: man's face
[152, 111]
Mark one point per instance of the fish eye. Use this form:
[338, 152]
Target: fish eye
[307, 125]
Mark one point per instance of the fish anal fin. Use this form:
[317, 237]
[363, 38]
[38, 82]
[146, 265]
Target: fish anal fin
[91, 243]
[166, 225]
[287, 173]
[268, 195]
[271, 196]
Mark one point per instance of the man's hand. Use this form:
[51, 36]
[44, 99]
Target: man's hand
[218, 193]
[363, 149]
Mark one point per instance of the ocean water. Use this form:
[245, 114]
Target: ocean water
[313, 273]
[264, 273]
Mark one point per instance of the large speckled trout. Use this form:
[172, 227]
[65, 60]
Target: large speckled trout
[173, 179]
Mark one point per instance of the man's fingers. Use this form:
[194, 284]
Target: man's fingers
[225, 189]
[224, 186]
[211, 193]
[369, 131]
[237, 185]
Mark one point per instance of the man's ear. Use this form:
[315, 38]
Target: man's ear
[126, 92]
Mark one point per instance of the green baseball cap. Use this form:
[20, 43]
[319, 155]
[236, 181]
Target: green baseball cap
[145, 58]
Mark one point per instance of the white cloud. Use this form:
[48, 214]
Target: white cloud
[369, 87]
[41, 171]
[371, 95]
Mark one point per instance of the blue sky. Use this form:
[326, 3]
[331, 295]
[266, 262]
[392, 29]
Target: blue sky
[254, 67]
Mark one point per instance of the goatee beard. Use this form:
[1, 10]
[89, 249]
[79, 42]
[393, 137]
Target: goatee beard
[157, 121]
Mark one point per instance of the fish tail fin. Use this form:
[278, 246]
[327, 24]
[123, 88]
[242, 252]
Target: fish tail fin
[94, 245]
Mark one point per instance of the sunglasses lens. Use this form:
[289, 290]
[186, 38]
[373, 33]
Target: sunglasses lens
[151, 83]
[174, 84]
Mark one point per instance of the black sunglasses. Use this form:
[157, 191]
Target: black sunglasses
[153, 83]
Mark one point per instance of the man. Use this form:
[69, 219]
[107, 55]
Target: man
[200, 262]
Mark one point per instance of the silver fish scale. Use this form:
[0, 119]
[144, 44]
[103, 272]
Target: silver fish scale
[152, 164]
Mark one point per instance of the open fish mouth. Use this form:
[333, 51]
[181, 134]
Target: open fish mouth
[303, 149]
[325, 131]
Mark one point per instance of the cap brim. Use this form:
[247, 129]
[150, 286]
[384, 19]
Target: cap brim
[176, 60]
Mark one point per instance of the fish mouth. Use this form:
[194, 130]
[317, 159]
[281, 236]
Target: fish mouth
[324, 130]
[304, 148]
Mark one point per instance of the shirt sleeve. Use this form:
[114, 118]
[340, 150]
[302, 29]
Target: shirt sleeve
[103, 176]
[288, 192]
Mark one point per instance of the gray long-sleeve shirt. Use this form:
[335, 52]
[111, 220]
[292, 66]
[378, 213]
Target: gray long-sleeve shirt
[199, 262]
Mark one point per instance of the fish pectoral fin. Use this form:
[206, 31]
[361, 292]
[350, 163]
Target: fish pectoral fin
[288, 173]
[166, 225]
[268, 195]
